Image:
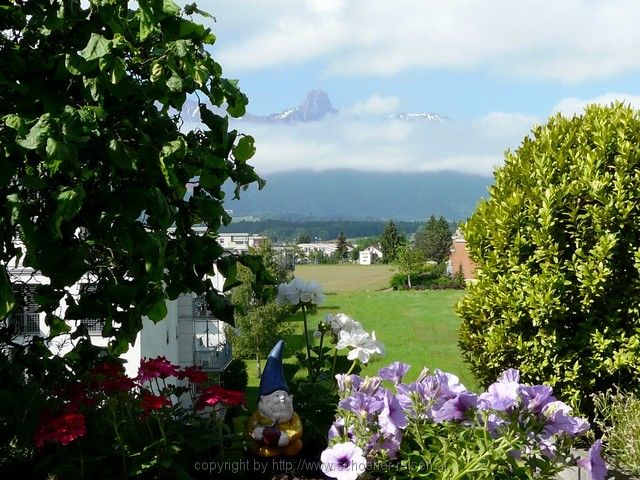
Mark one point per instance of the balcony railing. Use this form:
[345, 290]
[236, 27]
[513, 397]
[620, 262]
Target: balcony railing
[214, 359]
[25, 323]
[94, 325]
[210, 348]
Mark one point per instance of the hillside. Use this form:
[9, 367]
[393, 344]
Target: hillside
[360, 195]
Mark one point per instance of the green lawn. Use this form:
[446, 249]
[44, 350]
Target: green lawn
[347, 277]
[417, 327]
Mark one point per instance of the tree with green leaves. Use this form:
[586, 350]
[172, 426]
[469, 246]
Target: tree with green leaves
[259, 321]
[390, 240]
[94, 165]
[409, 261]
[302, 236]
[276, 262]
[556, 244]
[94, 168]
[342, 247]
[433, 239]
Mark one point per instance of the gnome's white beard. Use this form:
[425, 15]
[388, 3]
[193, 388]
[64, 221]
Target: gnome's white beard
[278, 406]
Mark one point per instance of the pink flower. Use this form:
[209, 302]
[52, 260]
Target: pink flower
[62, 429]
[194, 375]
[151, 402]
[110, 377]
[213, 395]
[158, 367]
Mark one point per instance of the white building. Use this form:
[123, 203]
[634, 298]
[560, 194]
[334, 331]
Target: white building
[239, 242]
[370, 255]
[327, 248]
[189, 334]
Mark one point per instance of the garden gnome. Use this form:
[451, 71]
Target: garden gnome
[275, 429]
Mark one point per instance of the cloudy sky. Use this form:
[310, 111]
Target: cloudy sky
[494, 67]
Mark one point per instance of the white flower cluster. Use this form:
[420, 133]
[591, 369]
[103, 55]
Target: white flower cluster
[350, 334]
[297, 291]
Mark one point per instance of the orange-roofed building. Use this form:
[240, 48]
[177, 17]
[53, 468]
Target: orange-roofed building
[459, 256]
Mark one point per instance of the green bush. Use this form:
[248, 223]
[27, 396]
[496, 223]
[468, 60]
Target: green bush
[557, 245]
[235, 376]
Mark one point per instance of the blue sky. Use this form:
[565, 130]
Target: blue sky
[495, 68]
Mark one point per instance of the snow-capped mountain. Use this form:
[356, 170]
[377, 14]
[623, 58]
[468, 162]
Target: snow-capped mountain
[315, 107]
[417, 117]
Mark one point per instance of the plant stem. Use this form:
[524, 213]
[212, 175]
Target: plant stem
[353, 365]
[335, 358]
[306, 335]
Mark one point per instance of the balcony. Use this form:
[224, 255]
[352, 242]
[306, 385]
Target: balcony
[94, 325]
[25, 323]
[210, 348]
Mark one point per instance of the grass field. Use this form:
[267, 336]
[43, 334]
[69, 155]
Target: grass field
[347, 277]
[417, 327]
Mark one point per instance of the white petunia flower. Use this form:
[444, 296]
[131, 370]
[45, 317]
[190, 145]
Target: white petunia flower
[340, 322]
[362, 345]
[298, 291]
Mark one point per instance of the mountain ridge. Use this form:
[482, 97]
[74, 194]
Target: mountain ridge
[365, 195]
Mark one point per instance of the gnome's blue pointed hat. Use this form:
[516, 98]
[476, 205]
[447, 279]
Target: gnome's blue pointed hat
[272, 378]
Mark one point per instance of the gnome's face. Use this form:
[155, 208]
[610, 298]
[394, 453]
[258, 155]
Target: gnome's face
[278, 406]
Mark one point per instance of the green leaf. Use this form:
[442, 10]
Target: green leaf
[147, 23]
[118, 70]
[170, 8]
[193, 8]
[245, 149]
[57, 326]
[57, 154]
[97, 47]
[7, 300]
[75, 64]
[38, 134]
[68, 204]
[15, 122]
[175, 83]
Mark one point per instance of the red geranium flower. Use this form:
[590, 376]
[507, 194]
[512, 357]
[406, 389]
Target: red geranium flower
[213, 395]
[156, 367]
[62, 429]
[110, 377]
[194, 375]
[151, 402]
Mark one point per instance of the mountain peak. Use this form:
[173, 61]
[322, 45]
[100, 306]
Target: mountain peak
[417, 117]
[315, 107]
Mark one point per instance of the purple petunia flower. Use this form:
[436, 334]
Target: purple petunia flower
[536, 397]
[450, 385]
[394, 372]
[348, 382]
[344, 461]
[593, 462]
[501, 396]
[392, 416]
[369, 385]
[336, 429]
[361, 404]
[510, 375]
[392, 444]
[559, 419]
[424, 392]
[455, 408]
[494, 423]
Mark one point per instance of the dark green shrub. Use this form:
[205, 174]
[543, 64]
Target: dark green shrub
[398, 281]
[235, 377]
[557, 245]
